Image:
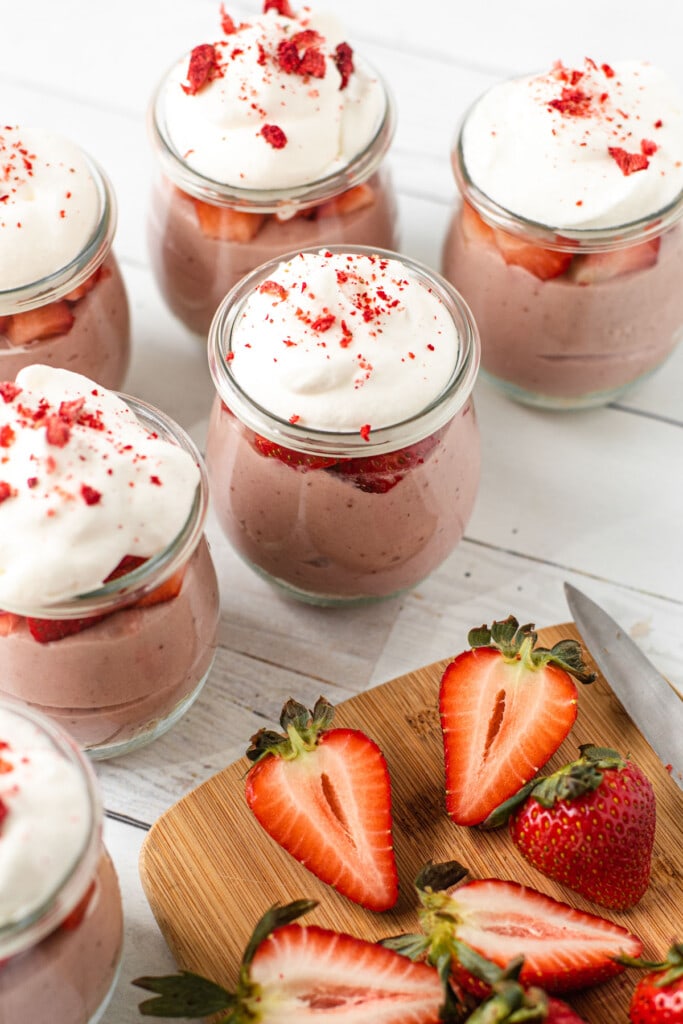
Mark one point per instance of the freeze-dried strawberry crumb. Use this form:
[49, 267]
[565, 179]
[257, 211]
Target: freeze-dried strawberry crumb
[343, 58]
[70, 411]
[227, 24]
[312, 63]
[32, 482]
[347, 335]
[90, 495]
[204, 67]
[323, 323]
[294, 418]
[281, 6]
[5, 490]
[307, 37]
[572, 103]
[154, 479]
[288, 56]
[365, 431]
[628, 163]
[274, 136]
[57, 432]
[647, 147]
[607, 70]
[658, 123]
[273, 288]
[9, 390]
[262, 55]
[7, 436]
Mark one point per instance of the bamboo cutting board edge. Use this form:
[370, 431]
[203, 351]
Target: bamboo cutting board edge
[209, 870]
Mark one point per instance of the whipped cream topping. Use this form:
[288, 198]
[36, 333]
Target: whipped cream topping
[278, 102]
[82, 484]
[49, 205]
[45, 817]
[590, 147]
[343, 342]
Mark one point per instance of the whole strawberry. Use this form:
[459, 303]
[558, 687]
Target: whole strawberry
[658, 997]
[590, 826]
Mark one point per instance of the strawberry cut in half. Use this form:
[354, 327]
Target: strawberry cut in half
[590, 826]
[35, 324]
[324, 795]
[604, 266]
[290, 457]
[377, 474]
[506, 706]
[357, 198]
[292, 973]
[542, 263]
[228, 225]
[499, 922]
[658, 996]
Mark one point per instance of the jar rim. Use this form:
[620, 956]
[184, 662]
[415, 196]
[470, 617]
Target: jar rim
[361, 167]
[19, 935]
[65, 279]
[555, 238]
[126, 590]
[346, 443]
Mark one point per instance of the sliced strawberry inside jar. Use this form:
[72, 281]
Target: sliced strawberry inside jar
[76, 294]
[357, 198]
[542, 263]
[290, 457]
[228, 225]
[603, 266]
[43, 322]
[377, 474]
[8, 622]
[75, 918]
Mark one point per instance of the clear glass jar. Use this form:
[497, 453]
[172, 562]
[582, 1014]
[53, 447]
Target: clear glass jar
[569, 318]
[77, 318]
[127, 678]
[61, 961]
[204, 236]
[344, 520]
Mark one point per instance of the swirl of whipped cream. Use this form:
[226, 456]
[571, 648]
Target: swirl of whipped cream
[334, 341]
[592, 147]
[82, 484]
[49, 205]
[284, 102]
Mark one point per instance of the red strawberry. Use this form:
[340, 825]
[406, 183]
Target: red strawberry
[542, 263]
[8, 622]
[46, 631]
[511, 1002]
[357, 198]
[228, 225]
[377, 474]
[506, 706]
[658, 997]
[324, 795]
[603, 266]
[73, 919]
[590, 826]
[76, 294]
[563, 948]
[43, 322]
[296, 973]
[298, 460]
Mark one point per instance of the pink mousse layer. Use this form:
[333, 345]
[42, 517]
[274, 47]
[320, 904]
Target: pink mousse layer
[120, 678]
[67, 976]
[195, 272]
[97, 344]
[317, 532]
[563, 340]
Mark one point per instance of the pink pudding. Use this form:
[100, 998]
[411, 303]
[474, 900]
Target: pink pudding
[344, 462]
[574, 283]
[297, 165]
[111, 630]
[62, 298]
[61, 925]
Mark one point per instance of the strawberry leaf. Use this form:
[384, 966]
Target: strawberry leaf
[184, 995]
[275, 917]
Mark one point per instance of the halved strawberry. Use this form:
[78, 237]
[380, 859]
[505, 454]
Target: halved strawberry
[74, 919]
[228, 225]
[76, 294]
[4, 321]
[603, 266]
[8, 622]
[166, 591]
[377, 474]
[291, 973]
[43, 322]
[298, 460]
[505, 707]
[542, 263]
[499, 921]
[357, 198]
[324, 795]
[474, 227]
[46, 631]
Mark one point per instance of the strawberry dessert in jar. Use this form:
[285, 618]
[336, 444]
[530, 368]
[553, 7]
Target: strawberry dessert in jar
[62, 298]
[61, 926]
[343, 450]
[108, 591]
[568, 245]
[269, 139]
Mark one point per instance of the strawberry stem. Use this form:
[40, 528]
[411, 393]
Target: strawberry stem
[302, 730]
[518, 643]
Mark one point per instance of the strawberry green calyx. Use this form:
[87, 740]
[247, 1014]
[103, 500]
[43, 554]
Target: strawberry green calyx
[518, 643]
[511, 1004]
[301, 728]
[191, 996]
[668, 971]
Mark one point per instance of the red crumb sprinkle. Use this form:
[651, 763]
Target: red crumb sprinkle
[658, 123]
[262, 55]
[323, 323]
[343, 58]
[607, 71]
[572, 103]
[281, 6]
[4, 811]
[295, 418]
[230, 356]
[155, 480]
[227, 24]
[288, 56]
[5, 490]
[9, 390]
[57, 432]
[628, 163]
[204, 67]
[7, 436]
[669, 768]
[90, 495]
[5, 766]
[274, 136]
[70, 411]
[347, 335]
[271, 287]
[430, 346]
[647, 147]
[365, 431]
[32, 482]
[312, 63]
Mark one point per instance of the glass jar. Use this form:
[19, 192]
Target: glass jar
[76, 318]
[59, 960]
[204, 236]
[121, 681]
[569, 318]
[343, 519]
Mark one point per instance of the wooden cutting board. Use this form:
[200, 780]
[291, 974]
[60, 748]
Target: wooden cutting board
[210, 871]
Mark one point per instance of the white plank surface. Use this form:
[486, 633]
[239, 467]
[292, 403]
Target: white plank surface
[596, 498]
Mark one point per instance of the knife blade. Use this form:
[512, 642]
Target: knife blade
[651, 702]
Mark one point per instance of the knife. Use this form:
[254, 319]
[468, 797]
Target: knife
[651, 702]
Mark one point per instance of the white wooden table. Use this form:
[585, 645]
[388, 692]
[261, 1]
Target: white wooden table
[595, 497]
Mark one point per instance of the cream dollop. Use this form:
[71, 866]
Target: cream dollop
[49, 205]
[550, 147]
[82, 483]
[326, 117]
[46, 817]
[343, 341]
